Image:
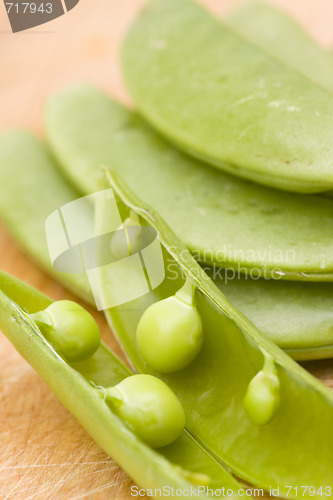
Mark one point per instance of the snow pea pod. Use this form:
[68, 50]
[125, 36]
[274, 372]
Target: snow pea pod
[275, 32]
[213, 387]
[223, 220]
[297, 316]
[26, 168]
[181, 465]
[226, 101]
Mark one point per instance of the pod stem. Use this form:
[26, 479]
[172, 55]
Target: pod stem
[187, 293]
[113, 396]
[42, 320]
[132, 219]
[269, 364]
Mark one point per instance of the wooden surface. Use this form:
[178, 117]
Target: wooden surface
[44, 453]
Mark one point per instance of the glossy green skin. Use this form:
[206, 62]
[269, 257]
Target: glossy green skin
[227, 101]
[149, 408]
[30, 190]
[296, 316]
[278, 34]
[169, 335]
[223, 220]
[213, 387]
[180, 465]
[70, 329]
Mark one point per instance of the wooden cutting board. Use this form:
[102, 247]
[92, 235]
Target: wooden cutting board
[44, 452]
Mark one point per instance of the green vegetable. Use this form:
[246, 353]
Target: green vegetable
[275, 32]
[213, 387]
[181, 465]
[169, 333]
[70, 328]
[149, 408]
[227, 101]
[26, 165]
[223, 220]
[262, 396]
[296, 316]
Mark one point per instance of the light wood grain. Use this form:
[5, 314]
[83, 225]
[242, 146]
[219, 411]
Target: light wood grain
[45, 454]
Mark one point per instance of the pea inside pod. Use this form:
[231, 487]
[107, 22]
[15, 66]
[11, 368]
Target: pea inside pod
[263, 394]
[70, 328]
[212, 388]
[181, 465]
[149, 408]
[169, 333]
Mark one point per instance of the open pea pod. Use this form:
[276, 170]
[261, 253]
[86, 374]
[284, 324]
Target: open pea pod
[183, 465]
[223, 220]
[297, 316]
[227, 101]
[245, 400]
[279, 34]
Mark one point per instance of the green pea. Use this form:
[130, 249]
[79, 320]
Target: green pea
[149, 408]
[169, 334]
[263, 395]
[70, 328]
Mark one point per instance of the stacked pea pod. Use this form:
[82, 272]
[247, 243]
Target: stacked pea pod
[252, 113]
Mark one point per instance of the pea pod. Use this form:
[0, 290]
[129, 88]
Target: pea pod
[296, 316]
[278, 34]
[224, 221]
[226, 101]
[26, 166]
[212, 388]
[181, 465]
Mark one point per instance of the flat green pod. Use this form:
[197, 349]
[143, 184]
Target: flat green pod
[298, 317]
[30, 190]
[182, 465]
[277, 33]
[223, 220]
[226, 101]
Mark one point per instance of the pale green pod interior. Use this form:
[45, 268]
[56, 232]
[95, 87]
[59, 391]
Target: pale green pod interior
[213, 387]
